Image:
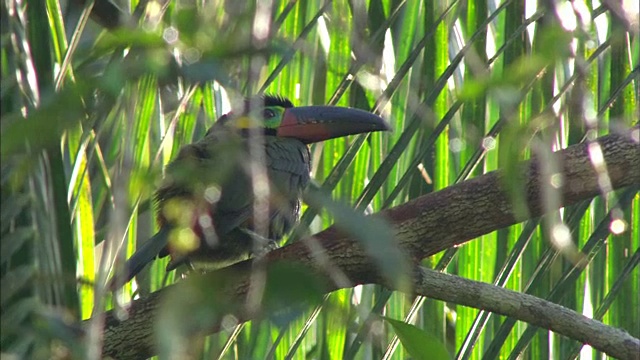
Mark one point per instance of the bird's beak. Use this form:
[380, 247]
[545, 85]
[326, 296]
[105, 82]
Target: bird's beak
[310, 124]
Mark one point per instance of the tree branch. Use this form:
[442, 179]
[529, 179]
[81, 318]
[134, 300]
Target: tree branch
[423, 227]
[536, 311]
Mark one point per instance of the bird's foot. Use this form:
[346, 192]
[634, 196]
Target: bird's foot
[261, 244]
[263, 247]
[269, 246]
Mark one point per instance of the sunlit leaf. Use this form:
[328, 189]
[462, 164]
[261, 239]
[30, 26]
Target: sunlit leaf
[418, 343]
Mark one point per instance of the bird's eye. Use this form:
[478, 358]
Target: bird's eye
[268, 113]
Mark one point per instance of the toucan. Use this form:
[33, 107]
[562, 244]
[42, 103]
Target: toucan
[237, 191]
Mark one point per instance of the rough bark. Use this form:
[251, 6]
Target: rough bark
[424, 226]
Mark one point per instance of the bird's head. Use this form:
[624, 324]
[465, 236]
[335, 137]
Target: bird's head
[277, 116]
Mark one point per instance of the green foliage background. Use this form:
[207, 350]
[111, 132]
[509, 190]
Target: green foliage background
[91, 116]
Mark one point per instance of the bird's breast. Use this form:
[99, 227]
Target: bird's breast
[288, 164]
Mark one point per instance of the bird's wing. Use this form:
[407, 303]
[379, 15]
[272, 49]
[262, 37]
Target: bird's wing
[196, 164]
[204, 163]
[235, 206]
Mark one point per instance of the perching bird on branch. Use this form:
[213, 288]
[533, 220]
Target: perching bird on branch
[207, 207]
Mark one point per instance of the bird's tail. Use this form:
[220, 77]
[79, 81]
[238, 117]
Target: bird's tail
[147, 252]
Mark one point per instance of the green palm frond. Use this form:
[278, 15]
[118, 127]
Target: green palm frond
[98, 98]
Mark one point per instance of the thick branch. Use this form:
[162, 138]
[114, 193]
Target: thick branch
[424, 226]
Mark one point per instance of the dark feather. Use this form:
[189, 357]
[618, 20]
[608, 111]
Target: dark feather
[276, 100]
[221, 159]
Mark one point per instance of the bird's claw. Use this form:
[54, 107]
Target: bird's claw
[262, 249]
[261, 244]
